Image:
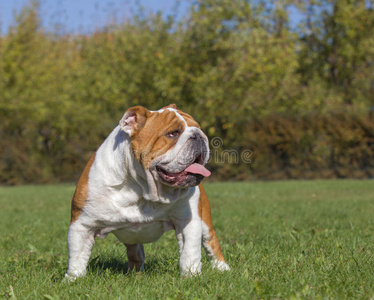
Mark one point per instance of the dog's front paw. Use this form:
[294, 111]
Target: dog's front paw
[69, 278]
[72, 276]
[190, 271]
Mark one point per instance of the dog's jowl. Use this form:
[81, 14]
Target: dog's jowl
[145, 179]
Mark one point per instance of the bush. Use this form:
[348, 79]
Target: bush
[234, 65]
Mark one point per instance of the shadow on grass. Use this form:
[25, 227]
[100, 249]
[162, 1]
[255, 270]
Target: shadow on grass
[115, 265]
[100, 264]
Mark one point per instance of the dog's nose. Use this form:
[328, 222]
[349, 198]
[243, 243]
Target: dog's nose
[194, 136]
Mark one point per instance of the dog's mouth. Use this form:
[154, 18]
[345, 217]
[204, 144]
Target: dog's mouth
[190, 176]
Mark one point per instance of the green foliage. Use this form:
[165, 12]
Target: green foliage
[338, 48]
[230, 64]
[283, 240]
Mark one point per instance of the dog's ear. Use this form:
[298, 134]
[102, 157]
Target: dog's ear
[134, 119]
[170, 106]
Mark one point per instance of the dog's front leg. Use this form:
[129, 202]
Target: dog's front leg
[188, 235]
[80, 242]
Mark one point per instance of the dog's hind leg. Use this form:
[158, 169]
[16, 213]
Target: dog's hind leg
[135, 256]
[209, 238]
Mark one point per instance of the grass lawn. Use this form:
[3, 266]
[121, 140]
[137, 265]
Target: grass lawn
[289, 240]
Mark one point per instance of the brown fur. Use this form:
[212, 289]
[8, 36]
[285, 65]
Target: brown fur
[81, 192]
[149, 140]
[205, 214]
[189, 120]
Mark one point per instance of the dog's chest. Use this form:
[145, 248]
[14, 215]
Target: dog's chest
[133, 221]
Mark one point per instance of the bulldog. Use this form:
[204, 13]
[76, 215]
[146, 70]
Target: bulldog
[144, 180]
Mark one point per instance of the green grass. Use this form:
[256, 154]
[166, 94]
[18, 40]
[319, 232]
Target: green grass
[294, 239]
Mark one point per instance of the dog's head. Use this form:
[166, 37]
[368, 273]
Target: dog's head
[169, 145]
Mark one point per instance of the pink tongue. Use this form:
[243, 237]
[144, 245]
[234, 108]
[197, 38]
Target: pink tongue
[198, 169]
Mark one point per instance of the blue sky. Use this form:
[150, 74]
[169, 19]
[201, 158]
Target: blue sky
[83, 16]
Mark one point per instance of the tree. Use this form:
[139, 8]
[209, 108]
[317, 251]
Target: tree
[339, 48]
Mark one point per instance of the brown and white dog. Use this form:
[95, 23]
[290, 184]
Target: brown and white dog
[144, 180]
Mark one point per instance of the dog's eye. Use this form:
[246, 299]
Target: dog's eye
[173, 134]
